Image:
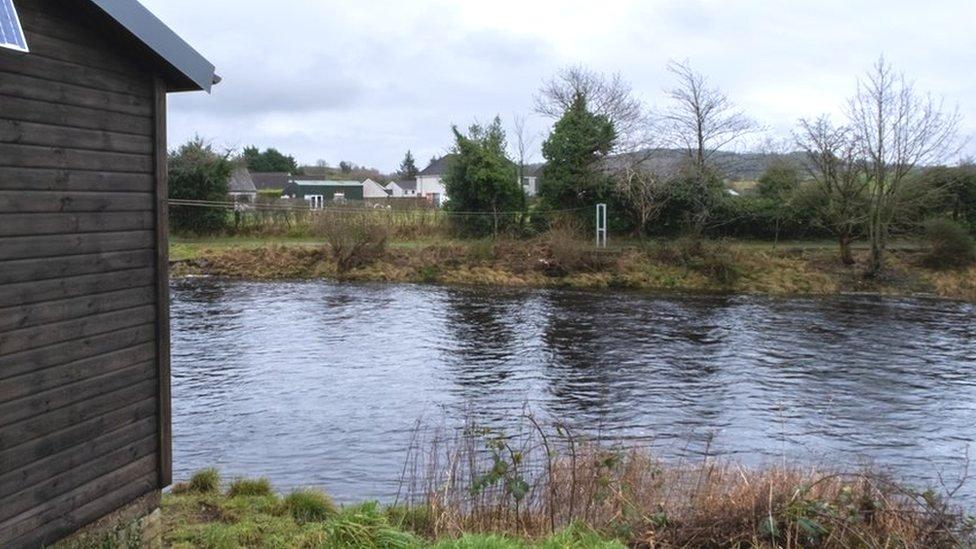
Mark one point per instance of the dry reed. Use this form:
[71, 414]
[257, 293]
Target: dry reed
[544, 479]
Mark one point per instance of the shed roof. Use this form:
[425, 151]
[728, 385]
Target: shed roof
[189, 69]
[270, 180]
[325, 183]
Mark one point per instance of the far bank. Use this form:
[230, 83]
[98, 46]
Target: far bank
[765, 267]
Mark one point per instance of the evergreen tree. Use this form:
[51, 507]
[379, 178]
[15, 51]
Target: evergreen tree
[197, 172]
[574, 151]
[480, 178]
[271, 160]
[408, 168]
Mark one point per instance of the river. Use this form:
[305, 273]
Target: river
[322, 384]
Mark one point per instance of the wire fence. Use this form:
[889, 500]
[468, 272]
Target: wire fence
[295, 217]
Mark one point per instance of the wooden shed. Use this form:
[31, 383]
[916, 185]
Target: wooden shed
[84, 320]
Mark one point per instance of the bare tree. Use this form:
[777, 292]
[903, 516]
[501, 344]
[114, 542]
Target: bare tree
[607, 95]
[701, 120]
[646, 188]
[897, 130]
[832, 162]
[523, 143]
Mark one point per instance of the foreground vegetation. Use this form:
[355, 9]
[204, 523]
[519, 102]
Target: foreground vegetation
[807, 267]
[549, 489]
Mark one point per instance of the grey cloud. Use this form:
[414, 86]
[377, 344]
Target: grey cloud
[365, 81]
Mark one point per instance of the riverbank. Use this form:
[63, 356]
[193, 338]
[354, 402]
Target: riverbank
[621, 500]
[786, 268]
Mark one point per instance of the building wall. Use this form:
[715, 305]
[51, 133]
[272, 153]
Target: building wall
[372, 189]
[84, 373]
[430, 185]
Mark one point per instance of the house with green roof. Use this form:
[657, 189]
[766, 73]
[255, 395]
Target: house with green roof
[318, 192]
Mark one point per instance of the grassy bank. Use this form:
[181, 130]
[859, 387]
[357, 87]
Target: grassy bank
[590, 499]
[808, 267]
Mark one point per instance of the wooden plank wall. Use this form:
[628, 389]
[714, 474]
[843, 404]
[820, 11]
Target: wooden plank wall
[82, 428]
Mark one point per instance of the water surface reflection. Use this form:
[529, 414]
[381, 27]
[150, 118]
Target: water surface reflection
[314, 383]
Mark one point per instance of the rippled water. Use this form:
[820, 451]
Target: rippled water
[315, 383]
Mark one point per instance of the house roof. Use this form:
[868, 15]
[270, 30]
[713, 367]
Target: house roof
[241, 182]
[325, 183]
[533, 170]
[270, 180]
[406, 184]
[188, 69]
[438, 166]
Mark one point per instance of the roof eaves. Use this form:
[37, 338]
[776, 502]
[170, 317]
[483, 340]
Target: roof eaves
[165, 43]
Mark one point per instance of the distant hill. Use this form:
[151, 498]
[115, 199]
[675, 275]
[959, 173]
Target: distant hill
[735, 166]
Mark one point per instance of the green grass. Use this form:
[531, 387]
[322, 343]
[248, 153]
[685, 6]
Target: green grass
[183, 248]
[187, 248]
[309, 506]
[247, 516]
[249, 487]
[206, 481]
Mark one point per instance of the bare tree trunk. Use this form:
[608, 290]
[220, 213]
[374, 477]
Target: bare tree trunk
[879, 243]
[844, 241]
[494, 210]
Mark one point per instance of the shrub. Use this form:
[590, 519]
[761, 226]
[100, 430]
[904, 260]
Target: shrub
[355, 239]
[715, 260]
[780, 179]
[950, 245]
[309, 506]
[569, 252]
[249, 487]
[198, 172]
[206, 481]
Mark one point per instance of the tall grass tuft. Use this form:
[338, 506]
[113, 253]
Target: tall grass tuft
[249, 487]
[206, 481]
[309, 506]
[366, 526]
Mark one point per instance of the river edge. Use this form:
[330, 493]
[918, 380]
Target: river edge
[615, 502]
[726, 269]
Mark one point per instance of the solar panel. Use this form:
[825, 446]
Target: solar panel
[11, 33]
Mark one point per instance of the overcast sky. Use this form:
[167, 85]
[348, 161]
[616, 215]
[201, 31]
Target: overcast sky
[366, 80]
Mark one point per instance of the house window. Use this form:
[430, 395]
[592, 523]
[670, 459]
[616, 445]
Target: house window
[339, 197]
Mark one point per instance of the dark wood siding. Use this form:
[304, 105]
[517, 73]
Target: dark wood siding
[84, 387]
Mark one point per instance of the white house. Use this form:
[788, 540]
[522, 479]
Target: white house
[530, 178]
[430, 181]
[407, 186]
[373, 190]
[396, 188]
